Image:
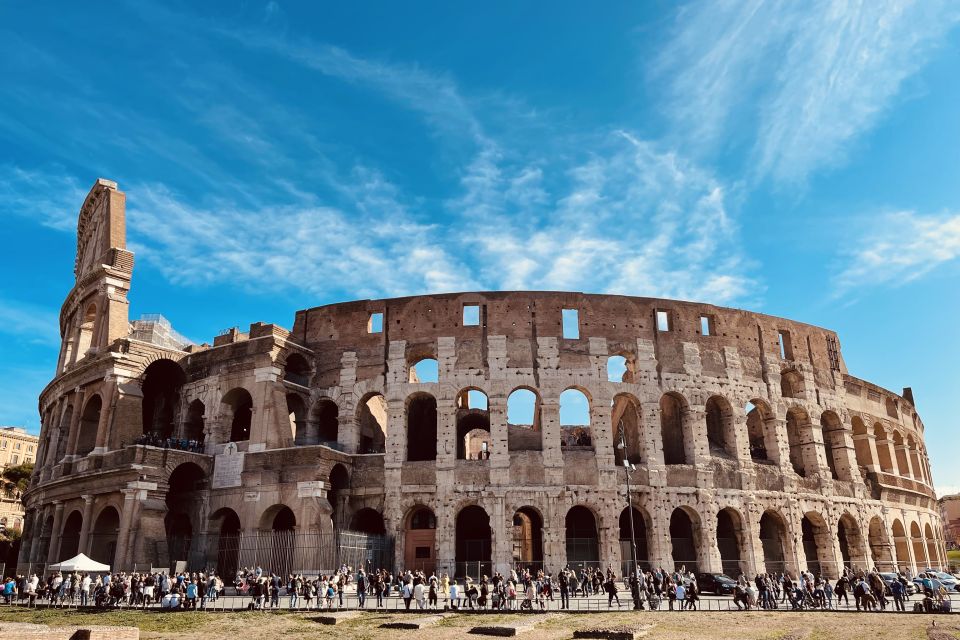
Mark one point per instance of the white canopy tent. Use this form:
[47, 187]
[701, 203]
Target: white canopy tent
[79, 563]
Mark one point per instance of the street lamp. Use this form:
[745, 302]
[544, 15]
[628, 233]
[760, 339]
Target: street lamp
[627, 468]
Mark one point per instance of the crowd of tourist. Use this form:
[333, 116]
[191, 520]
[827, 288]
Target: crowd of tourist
[158, 440]
[520, 589]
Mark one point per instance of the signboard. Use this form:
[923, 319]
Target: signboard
[228, 468]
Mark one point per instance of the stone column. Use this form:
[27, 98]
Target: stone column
[80, 399]
[552, 452]
[499, 437]
[348, 431]
[709, 554]
[86, 524]
[447, 443]
[106, 413]
[909, 471]
[661, 551]
[123, 535]
[54, 548]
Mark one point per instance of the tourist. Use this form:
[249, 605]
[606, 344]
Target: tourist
[610, 586]
[897, 590]
[406, 592]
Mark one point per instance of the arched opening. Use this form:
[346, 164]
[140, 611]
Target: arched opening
[62, 433]
[420, 544]
[817, 546]
[626, 419]
[683, 541]
[524, 432]
[880, 545]
[89, 421]
[773, 534]
[368, 521]
[672, 416]
[194, 425]
[421, 427]
[791, 384]
[184, 502]
[637, 542]
[473, 543]
[833, 444]
[337, 495]
[424, 370]
[473, 425]
[297, 370]
[87, 331]
[901, 452]
[582, 540]
[883, 449]
[853, 552]
[372, 417]
[326, 416]
[758, 415]
[527, 539]
[161, 397]
[226, 523]
[283, 541]
[797, 426]
[919, 550]
[70, 538]
[296, 415]
[730, 541]
[901, 545]
[103, 536]
[914, 459]
[621, 369]
[933, 558]
[720, 427]
[237, 408]
[861, 443]
[575, 419]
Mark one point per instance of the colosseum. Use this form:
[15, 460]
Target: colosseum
[467, 433]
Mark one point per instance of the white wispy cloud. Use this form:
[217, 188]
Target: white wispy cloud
[899, 248]
[812, 76]
[51, 198]
[29, 322]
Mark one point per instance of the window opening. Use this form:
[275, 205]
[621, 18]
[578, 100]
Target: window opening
[571, 324]
[663, 321]
[471, 315]
[375, 323]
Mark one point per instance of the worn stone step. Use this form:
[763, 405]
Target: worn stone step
[623, 632]
[508, 629]
[420, 622]
[336, 617]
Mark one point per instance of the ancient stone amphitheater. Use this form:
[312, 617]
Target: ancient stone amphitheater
[467, 433]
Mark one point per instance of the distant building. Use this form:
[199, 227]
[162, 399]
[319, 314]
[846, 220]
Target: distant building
[16, 447]
[950, 510]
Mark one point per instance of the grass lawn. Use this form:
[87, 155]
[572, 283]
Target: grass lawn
[668, 625]
[953, 557]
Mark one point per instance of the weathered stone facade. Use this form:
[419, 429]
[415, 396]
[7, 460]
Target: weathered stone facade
[751, 446]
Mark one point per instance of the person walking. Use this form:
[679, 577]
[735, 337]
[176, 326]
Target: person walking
[898, 591]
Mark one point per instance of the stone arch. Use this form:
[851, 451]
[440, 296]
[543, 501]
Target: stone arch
[524, 430]
[791, 384]
[184, 501]
[861, 443]
[880, 545]
[914, 459]
[919, 549]
[625, 415]
[575, 418]
[86, 331]
[582, 537]
[685, 539]
[297, 419]
[473, 542]
[372, 419]
[761, 430]
[423, 370]
[161, 383]
[901, 543]
[236, 407]
[420, 539]
[70, 536]
[883, 448]
[798, 428]
[901, 455]
[368, 520]
[933, 558]
[853, 551]
[473, 424]
[527, 538]
[673, 418]
[834, 445]
[720, 427]
[325, 419]
[297, 370]
[89, 422]
[339, 484]
[774, 541]
[817, 544]
[193, 427]
[639, 541]
[421, 427]
[103, 535]
[621, 367]
[62, 434]
[277, 543]
[731, 541]
[225, 523]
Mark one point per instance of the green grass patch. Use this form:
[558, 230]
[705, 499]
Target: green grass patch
[145, 621]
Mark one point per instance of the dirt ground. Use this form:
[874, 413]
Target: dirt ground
[668, 625]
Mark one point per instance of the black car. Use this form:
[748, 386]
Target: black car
[716, 583]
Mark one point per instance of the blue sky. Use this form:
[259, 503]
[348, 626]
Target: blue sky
[800, 159]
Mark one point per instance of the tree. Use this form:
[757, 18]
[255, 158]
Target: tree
[16, 478]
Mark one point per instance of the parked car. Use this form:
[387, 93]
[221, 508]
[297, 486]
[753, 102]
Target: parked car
[918, 581]
[889, 579]
[949, 581]
[716, 583]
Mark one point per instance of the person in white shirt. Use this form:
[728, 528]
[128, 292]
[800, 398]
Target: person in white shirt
[418, 595]
[84, 589]
[454, 595]
[681, 595]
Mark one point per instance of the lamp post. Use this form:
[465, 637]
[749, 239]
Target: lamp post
[627, 468]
